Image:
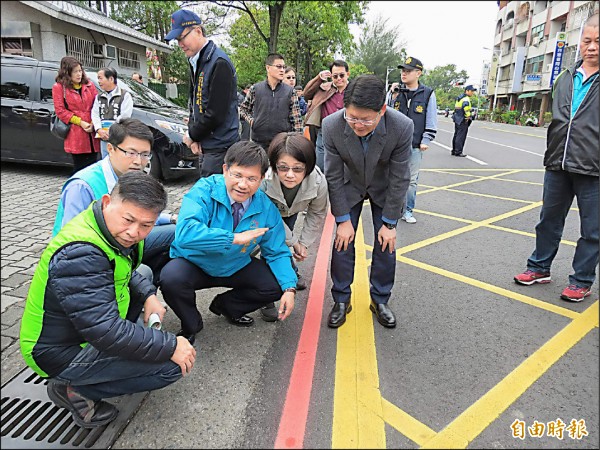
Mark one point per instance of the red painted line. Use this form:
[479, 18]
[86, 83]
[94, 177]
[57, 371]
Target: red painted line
[295, 410]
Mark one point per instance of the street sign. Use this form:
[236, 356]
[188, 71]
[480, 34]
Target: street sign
[561, 39]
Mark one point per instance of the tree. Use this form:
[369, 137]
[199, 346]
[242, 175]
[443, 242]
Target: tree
[379, 47]
[447, 82]
[310, 34]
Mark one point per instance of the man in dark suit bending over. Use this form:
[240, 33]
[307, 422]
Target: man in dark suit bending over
[367, 150]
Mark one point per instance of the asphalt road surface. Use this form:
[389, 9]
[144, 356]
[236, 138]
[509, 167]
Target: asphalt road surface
[476, 361]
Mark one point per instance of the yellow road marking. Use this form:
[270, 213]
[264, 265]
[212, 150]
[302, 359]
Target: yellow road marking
[481, 170]
[357, 409]
[477, 180]
[466, 427]
[515, 132]
[473, 226]
[491, 288]
[460, 191]
[406, 424]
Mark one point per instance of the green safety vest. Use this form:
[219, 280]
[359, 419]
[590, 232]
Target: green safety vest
[462, 108]
[83, 228]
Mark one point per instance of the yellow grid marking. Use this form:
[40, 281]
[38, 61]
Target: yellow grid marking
[476, 418]
[360, 412]
[406, 424]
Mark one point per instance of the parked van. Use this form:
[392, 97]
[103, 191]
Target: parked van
[27, 106]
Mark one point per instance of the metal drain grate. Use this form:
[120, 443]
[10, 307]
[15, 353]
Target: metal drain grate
[31, 420]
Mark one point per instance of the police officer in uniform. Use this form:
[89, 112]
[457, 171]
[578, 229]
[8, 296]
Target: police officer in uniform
[462, 120]
[418, 103]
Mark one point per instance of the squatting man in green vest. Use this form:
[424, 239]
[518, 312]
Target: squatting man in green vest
[81, 327]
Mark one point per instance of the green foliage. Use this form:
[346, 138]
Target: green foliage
[510, 117]
[310, 34]
[357, 69]
[443, 78]
[380, 47]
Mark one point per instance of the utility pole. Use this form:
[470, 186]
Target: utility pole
[387, 73]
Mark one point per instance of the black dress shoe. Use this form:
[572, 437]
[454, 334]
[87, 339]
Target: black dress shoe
[269, 313]
[189, 336]
[300, 284]
[244, 321]
[337, 316]
[86, 413]
[460, 155]
[384, 314]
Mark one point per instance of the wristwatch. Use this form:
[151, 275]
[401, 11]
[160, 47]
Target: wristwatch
[290, 290]
[390, 226]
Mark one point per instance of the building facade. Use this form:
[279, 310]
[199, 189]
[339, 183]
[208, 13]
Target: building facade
[49, 30]
[533, 42]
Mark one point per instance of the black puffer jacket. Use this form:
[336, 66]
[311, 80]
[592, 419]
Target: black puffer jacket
[573, 143]
[80, 298]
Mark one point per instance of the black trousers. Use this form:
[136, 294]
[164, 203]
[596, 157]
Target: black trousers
[212, 161]
[383, 265]
[460, 136]
[82, 160]
[252, 287]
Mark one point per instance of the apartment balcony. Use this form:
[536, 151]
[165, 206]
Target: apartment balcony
[559, 9]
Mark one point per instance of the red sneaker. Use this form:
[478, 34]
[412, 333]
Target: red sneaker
[574, 293]
[530, 277]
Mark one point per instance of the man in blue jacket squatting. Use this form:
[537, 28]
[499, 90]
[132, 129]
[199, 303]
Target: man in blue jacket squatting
[221, 220]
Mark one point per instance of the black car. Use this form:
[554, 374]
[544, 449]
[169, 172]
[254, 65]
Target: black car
[27, 106]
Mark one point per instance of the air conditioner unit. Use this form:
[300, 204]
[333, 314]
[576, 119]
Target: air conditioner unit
[110, 51]
[98, 51]
[508, 24]
[549, 67]
[536, 41]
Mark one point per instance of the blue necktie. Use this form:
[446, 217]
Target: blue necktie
[236, 210]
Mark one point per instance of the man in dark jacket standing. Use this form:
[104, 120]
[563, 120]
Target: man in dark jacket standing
[367, 155]
[213, 125]
[271, 106]
[462, 120]
[571, 162]
[81, 326]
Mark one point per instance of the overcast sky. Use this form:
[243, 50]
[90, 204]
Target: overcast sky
[440, 33]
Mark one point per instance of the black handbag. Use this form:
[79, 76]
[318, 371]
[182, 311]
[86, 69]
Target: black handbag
[57, 127]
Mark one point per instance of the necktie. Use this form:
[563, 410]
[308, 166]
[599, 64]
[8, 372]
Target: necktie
[236, 211]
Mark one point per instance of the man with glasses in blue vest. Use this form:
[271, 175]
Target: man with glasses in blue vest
[129, 150]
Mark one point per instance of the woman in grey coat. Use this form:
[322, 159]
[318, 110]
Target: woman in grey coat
[296, 185]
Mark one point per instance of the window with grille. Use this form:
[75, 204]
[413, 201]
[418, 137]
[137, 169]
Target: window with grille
[17, 46]
[537, 31]
[534, 65]
[568, 59]
[83, 50]
[128, 59]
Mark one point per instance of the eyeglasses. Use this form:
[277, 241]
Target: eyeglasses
[285, 169]
[183, 36]
[279, 66]
[239, 177]
[133, 155]
[341, 76]
[362, 122]
[290, 78]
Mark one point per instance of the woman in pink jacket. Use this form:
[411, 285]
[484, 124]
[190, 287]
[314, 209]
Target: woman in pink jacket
[73, 95]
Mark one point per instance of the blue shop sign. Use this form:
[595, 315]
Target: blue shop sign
[561, 39]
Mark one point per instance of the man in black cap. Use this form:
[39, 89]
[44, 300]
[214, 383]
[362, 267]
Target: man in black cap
[418, 103]
[462, 119]
[214, 122]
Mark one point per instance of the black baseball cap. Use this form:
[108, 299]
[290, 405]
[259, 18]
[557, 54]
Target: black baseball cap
[411, 63]
[180, 20]
[470, 87]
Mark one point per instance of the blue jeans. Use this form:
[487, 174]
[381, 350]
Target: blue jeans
[320, 150]
[560, 188]
[414, 164]
[383, 266]
[157, 246]
[98, 375]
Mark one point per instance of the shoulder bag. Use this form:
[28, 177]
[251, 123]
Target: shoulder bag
[57, 127]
